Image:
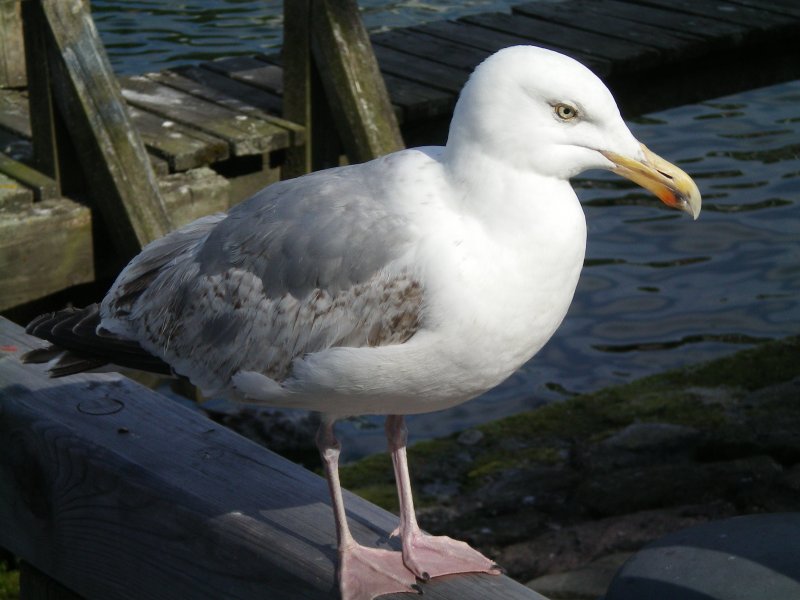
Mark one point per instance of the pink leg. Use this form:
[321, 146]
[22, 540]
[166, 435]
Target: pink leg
[427, 556]
[364, 573]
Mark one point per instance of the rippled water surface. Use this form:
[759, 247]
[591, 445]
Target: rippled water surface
[659, 291]
[151, 35]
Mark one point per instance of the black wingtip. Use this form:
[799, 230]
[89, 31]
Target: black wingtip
[39, 356]
[80, 344]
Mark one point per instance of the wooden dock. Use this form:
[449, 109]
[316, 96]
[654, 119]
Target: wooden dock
[117, 492]
[214, 132]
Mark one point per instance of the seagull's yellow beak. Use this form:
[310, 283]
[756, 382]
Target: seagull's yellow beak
[671, 184]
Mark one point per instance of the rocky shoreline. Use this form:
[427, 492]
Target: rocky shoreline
[560, 496]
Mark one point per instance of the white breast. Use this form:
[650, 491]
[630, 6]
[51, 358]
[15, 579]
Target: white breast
[496, 289]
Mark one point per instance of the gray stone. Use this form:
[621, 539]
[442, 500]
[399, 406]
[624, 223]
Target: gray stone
[470, 437]
[589, 582]
[743, 558]
[639, 437]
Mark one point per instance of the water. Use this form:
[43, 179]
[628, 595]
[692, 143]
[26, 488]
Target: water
[152, 35]
[659, 291]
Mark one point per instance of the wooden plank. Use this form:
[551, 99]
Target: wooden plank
[421, 70]
[433, 48]
[13, 195]
[302, 89]
[181, 147]
[194, 194]
[46, 127]
[216, 79]
[245, 135]
[469, 34]
[590, 15]
[716, 34]
[159, 165]
[239, 97]
[251, 70]
[43, 187]
[418, 102]
[113, 157]
[12, 50]
[14, 112]
[754, 20]
[45, 247]
[623, 55]
[354, 87]
[247, 176]
[163, 503]
[780, 7]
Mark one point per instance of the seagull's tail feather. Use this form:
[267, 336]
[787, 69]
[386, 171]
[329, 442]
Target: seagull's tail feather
[80, 344]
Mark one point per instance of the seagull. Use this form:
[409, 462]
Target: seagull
[407, 284]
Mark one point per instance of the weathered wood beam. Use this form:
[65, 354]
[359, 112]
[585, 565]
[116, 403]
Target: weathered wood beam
[14, 113]
[86, 95]
[304, 99]
[43, 187]
[117, 492]
[44, 247]
[352, 80]
[12, 55]
[53, 153]
[12, 194]
[193, 194]
[332, 84]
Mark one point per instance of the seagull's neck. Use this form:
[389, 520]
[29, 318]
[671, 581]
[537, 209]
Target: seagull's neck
[507, 262]
[498, 192]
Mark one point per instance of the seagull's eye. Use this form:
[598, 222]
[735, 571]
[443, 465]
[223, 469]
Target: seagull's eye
[565, 112]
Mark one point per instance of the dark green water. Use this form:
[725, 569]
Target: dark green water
[659, 291]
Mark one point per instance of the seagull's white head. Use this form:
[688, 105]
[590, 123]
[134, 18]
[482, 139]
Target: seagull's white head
[546, 113]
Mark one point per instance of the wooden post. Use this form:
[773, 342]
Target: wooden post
[333, 84]
[119, 493]
[12, 56]
[53, 152]
[297, 81]
[304, 99]
[77, 109]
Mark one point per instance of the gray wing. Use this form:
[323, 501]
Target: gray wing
[304, 265]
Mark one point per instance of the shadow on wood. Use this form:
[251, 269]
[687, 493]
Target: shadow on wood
[117, 492]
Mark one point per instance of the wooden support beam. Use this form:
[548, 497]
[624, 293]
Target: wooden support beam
[117, 492]
[45, 247]
[352, 80]
[304, 97]
[14, 113]
[43, 187]
[332, 85]
[12, 55]
[13, 195]
[53, 152]
[83, 93]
